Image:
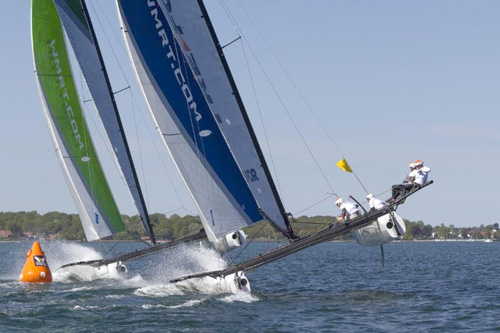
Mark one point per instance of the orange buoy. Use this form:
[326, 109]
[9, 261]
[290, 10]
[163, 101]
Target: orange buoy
[36, 268]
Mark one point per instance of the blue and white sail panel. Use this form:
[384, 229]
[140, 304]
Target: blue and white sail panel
[185, 121]
[79, 34]
[190, 26]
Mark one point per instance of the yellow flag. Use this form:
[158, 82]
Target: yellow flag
[344, 165]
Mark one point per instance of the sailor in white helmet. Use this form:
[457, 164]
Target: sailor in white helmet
[400, 190]
[413, 172]
[374, 203]
[349, 210]
[421, 172]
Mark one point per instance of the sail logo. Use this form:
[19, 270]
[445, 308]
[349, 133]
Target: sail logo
[64, 93]
[188, 53]
[174, 65]
[250, 175]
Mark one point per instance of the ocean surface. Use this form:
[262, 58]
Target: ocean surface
[332, 287]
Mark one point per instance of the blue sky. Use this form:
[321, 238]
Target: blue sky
[391, 81]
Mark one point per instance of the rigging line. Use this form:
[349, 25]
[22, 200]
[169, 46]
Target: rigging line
[315, 223]
[105, 139]
[309, 107]
[87, 138]
[285, 108]
[111, 249]
[250, 241]
[110, 26]
[109, 42]
[145, 188]
[359, 181]
[266, 137]
[161, 157]
[179, 208]
[314, 205]
[291, 119]
[290, 78]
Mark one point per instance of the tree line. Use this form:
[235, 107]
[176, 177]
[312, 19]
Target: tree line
[53, 225]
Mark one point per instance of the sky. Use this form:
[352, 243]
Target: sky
[389, 81]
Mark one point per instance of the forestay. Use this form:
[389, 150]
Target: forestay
[88, 186]
[78, 27]
[184, 119]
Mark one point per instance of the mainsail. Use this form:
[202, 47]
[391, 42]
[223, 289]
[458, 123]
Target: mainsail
[199, 114]
[78, 27]
[88, 186]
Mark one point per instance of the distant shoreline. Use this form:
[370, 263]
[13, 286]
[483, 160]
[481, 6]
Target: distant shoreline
[255, 241]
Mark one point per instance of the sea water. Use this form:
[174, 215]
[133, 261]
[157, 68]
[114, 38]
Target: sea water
[332, 287]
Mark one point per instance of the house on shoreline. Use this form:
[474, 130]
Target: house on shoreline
[6, 234]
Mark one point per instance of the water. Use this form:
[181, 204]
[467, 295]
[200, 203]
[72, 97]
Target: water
[333, 287]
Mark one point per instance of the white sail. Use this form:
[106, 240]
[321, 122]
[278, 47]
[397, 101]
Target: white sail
[80, 34]
[83, 201]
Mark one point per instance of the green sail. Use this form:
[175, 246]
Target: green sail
[86, 180]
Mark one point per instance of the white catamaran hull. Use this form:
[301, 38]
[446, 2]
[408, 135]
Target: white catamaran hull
[236, 282]
[115, 270]
[230, 241]
[382, 231]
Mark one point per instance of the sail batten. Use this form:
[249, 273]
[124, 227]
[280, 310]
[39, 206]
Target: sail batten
[76, 153]
[78, 26]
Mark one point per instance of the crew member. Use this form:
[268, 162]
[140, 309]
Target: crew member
[422, 172]
[374, 203]
[411, 176]
[399, 190]
[349, 210]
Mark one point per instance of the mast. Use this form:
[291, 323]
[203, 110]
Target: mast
[144, 216]
[291, 234]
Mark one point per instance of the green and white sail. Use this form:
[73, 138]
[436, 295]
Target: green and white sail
[88, 186]
[78, 27]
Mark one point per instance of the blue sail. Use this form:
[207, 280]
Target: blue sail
[186, 122]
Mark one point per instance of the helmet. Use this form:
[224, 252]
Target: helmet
[412, 165]
[339, 201]
[369, 196]
[419, 163]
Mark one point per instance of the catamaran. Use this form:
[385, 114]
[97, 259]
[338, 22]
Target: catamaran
[200, 116]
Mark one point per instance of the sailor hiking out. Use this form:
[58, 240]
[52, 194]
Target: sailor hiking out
[417, 177]
[421, 172]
